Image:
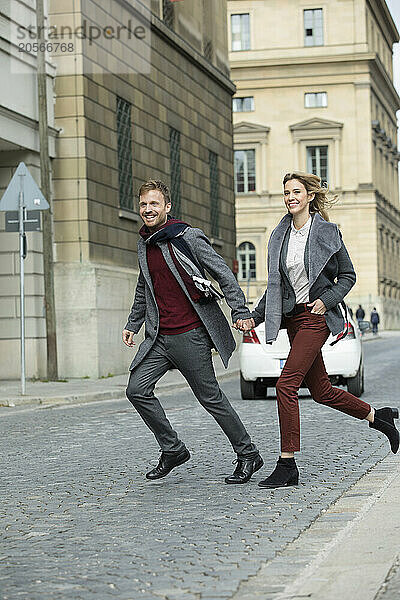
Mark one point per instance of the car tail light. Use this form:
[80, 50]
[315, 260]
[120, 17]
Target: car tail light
[250, 337]
[350, 332]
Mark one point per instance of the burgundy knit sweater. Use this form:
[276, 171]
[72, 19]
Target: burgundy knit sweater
[177, 314]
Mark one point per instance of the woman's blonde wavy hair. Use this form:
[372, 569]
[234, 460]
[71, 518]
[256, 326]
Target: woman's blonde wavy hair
[313, 184]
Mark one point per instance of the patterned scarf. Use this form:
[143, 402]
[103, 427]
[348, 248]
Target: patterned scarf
[171, 232]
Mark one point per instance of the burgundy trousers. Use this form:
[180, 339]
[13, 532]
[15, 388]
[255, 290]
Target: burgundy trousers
[307, 333]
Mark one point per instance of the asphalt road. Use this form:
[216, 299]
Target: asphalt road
[79, 520]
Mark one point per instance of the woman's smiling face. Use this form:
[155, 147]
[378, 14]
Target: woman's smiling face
[297, 199]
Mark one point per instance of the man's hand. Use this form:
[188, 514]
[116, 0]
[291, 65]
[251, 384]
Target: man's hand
[127, 338]
[319, 307]
[244, 324]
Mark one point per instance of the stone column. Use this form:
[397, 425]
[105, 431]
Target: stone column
[296, 155]
[337, 163]
[264, 179]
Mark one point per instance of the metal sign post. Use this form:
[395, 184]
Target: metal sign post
[21, 279]
[22, 194]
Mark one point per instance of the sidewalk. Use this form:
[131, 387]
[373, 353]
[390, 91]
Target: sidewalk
[370, 336]
[351, 551]
[77, 391]
[385, 333]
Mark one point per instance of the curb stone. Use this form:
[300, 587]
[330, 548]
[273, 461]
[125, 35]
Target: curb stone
[113, 394]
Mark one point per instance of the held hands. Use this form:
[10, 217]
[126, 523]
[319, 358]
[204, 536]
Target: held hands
[244, 324]
[319, 307]
[127, 338]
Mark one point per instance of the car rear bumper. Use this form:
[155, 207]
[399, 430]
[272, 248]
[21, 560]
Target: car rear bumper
[256, 363]
[344, 364]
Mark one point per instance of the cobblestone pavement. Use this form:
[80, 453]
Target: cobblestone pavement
[79, 520]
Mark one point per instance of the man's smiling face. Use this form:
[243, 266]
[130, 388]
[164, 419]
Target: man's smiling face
[153, 209]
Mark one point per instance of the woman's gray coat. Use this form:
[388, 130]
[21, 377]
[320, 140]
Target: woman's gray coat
[328, 266]
[145, 310]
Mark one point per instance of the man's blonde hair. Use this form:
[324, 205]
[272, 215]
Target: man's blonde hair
[155, 184]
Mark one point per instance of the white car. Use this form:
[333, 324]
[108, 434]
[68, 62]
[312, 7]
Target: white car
[261, 364]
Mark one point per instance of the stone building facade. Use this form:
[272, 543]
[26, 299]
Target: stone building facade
[315, 93]
[19, 142]
[158, 106]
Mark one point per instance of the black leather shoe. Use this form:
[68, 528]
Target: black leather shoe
[244, 469]
[384, 422]
[167, 462]
[284, 474]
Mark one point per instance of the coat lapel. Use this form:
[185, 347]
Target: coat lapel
[142, 260]
[275, 245]
[324, 241]
[284, 251]
[168, 259]
[273, 301]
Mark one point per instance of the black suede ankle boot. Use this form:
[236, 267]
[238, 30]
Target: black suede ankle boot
[384, 422]
[284, 474]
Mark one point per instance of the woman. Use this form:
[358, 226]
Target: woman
[309, 274]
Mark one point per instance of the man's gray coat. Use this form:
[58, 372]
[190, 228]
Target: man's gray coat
[328, 266]
[145, 310]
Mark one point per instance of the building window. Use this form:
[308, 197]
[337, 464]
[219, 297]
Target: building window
[124, 151]
[168, 13]
[244, 104]
[175, 168]
[214, 193]
[245, 171]
[247, 261]
[313, 27]
[240, 31]
[317, 161]
[316, 100]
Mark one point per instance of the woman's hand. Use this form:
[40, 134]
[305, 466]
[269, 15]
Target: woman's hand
[319, 307]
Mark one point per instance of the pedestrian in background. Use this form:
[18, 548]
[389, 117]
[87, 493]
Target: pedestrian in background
[183, 322]
[360, 314]
[309, 274]
[374, 321]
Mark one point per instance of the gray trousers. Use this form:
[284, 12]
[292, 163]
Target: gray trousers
[189, 352]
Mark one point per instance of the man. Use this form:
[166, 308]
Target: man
[375, 320]
[183, 322]
[360, 314]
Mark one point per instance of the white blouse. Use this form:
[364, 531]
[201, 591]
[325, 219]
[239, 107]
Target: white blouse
[295, 261]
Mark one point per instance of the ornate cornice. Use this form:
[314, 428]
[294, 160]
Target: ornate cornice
[250, 132]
